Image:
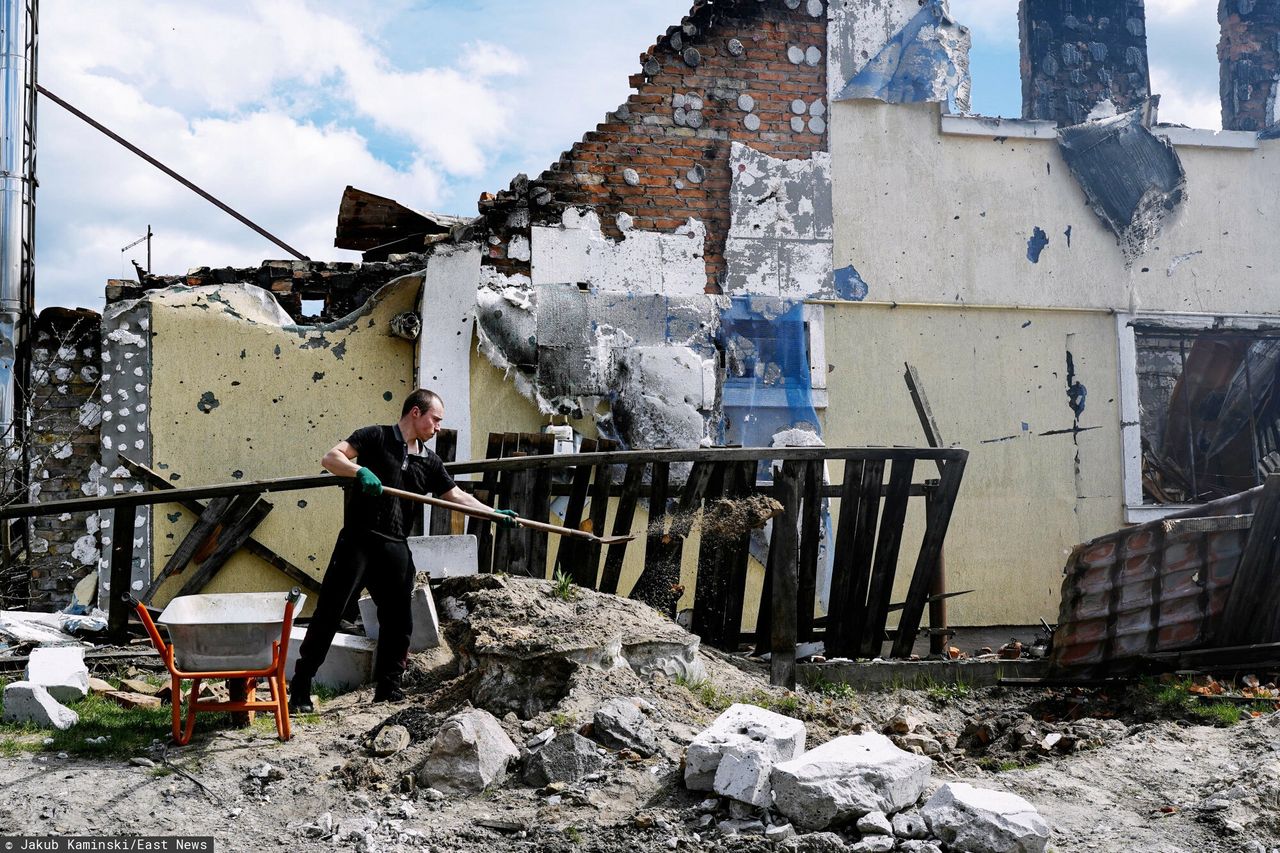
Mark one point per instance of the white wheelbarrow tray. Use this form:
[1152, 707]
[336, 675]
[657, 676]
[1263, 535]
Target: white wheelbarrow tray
[221, 632]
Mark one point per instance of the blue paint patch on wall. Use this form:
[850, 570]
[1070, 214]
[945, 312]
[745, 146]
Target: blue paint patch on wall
[1036, 244]
[917, 65]
[849, 285]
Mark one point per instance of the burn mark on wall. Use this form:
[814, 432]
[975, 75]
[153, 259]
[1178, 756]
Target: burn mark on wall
[925, 61]
[1036, 243]
[1131, 178]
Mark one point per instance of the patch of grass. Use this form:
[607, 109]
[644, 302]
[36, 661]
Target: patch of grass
[706, 693]
[563, 586]
[563, 721]
[573, 834]
[837, 690]
[944, 693]
[997, 765]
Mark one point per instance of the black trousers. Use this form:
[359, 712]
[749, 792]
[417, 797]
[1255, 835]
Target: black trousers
[383, 566]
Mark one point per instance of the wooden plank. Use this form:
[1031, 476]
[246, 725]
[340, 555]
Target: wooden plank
[446, 448]
[839, 601]
[599, 516]
[923, 411]
[118, 609]
[712, 572]
[1254, 580]
[741, 484]
[729, 454]
[648, 587]
[783, 636]
[938, 518]
[205, 528]
[860, 557]
[885, 566]
[245, 515]
[253, 546]
[569, 553]
[538, 503]
[483, 530]
[622, 521]
[504, 490]
[810, 545]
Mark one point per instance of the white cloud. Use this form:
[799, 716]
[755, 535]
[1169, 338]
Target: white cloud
[993, 22]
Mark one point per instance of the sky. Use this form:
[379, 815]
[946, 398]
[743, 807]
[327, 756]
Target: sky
[275, 106]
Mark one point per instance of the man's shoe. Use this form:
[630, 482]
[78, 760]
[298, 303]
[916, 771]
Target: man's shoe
[300, 695]
[388, 693]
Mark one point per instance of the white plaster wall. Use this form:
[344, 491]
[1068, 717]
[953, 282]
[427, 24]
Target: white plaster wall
[444, 347]
[933, 218]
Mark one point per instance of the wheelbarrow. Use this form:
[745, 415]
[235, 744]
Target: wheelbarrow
[239, 637]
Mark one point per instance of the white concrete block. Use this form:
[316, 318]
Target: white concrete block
[348, 664]
[60, 670]
[426, 625]
[27, 702]
[783, 738]
[470, 753]
[846, 778]
[445, 556]
[969, 818]
[743, 774]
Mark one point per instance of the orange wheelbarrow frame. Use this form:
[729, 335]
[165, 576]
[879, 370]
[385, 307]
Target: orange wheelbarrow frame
[247, 679]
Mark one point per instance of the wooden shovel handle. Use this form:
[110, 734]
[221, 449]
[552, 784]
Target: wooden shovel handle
[490, 515]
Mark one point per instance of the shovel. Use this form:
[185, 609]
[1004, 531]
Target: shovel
[490, 515]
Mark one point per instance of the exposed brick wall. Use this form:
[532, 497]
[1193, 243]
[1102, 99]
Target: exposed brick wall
[662, 162]
[1249, 63]
[64, 448]
[1077, 52]
[342, 286]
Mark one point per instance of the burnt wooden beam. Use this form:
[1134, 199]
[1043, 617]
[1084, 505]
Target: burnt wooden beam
[446, 448]
[253, 546]
[244, 516]
[569, 559]
[622, 521]
[782, 633]
[204, 530]
[885, 566]
[122, 519]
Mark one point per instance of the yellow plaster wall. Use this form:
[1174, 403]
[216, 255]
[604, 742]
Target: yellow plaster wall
[1027, 497]
[285, 395]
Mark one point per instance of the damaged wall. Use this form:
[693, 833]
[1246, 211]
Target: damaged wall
[1249, 63]
[65, 413]
[230, 390]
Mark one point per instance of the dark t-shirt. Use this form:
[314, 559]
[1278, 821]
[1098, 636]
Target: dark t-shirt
[383, 451]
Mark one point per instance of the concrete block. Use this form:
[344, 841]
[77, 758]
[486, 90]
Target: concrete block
[743, 774]
[27, 702]
[445, 556]
[426, 625]
[470, 753]
[349, 663]
[740, 724]
[969, 818]
[846, 778]
[60, 670]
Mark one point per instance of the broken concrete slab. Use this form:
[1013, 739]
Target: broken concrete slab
[348, 664]
[526, 669]
[846, 778]
[389, 740]
[445, 556]
[620, 724]
[984, 821]
[568, 757]
[469, 753]
[426, 624]
[782, 737]
[60, 670]
[743, 773]
[28, 702]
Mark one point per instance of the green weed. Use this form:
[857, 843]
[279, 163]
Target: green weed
[573, 834]
[563, 586]
[563, 721]
[948, 692]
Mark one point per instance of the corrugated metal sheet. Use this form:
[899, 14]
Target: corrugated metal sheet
[1155, 587]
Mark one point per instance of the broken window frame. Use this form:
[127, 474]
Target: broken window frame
[1136, 510]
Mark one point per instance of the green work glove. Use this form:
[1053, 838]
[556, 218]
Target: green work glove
[508, 519]
[368, 482]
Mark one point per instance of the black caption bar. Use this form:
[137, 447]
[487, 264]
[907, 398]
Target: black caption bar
[104, 843]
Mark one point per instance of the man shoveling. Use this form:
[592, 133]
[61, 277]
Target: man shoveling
[372, 551]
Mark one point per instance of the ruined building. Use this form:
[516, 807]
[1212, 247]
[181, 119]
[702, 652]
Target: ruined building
[793, 202]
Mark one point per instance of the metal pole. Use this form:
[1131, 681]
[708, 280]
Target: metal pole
[171, 173]
[148, 249]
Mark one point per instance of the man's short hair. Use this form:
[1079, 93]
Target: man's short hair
[422, 399]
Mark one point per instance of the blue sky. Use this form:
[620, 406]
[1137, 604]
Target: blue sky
[276, 105]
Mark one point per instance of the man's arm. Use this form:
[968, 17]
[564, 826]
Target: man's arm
[458, 496]
[338, 461]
